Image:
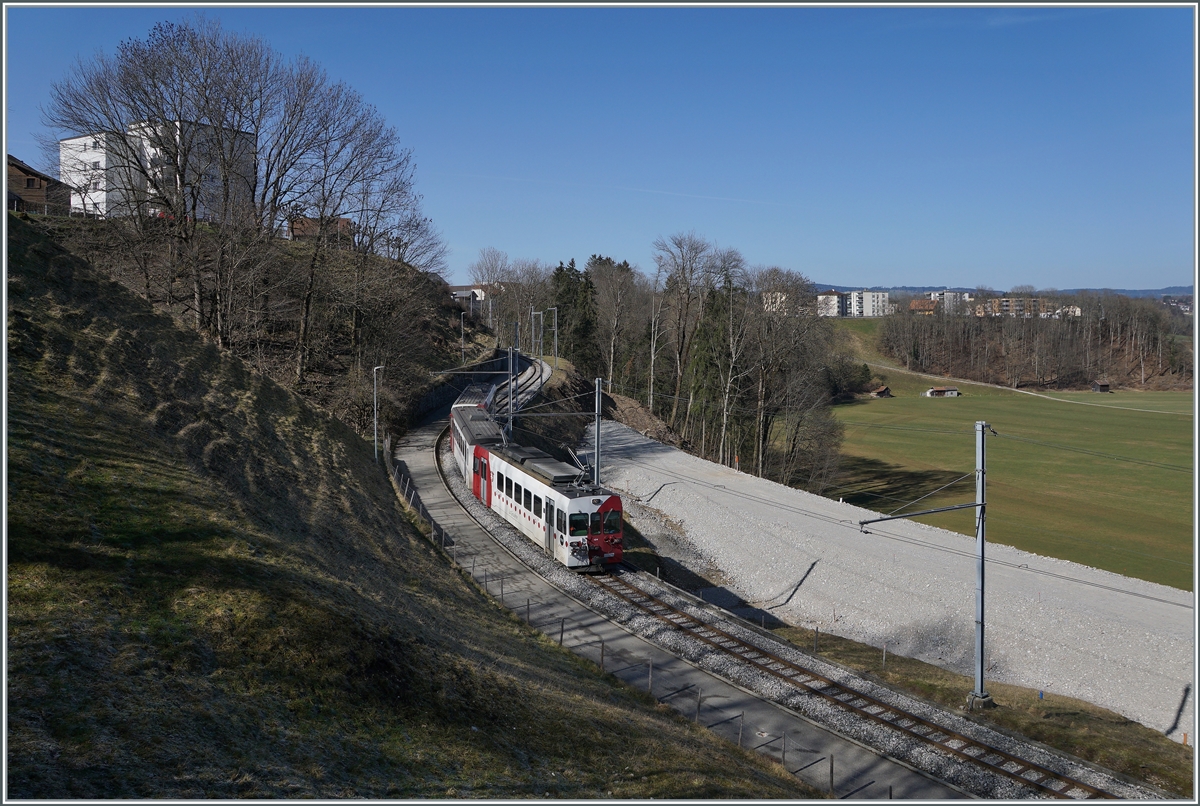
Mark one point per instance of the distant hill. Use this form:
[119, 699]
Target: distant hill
[1175, 290]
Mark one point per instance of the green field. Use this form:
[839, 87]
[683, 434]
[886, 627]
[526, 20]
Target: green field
[1108, 484]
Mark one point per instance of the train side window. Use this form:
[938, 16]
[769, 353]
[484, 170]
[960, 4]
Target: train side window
[595, 523]
[499, 481]
[508, 487]
[528, 499]
[475, 465]
[560, 521]
[612, 522]
[579, 524]
[517, 495]
[550, 512]
[537, 506]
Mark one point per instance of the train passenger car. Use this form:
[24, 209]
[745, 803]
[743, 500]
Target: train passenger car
[550, 502]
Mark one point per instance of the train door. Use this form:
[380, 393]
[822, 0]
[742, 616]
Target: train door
[479, 476]
[549, 535]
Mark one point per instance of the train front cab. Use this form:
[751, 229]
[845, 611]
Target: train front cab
[596, 528]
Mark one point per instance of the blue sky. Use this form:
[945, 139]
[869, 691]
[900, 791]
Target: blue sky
[861, 146]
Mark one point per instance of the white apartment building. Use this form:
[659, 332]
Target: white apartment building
[83, 164]
[831, 303]
[952, 301]
[867, 303]
[114, 174]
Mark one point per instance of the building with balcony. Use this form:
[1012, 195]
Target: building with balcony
[163, 169]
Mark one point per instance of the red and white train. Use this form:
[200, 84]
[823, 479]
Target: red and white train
[572, 520]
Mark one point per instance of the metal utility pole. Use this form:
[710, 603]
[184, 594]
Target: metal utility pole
[462, 335]
[555, 309]
[375, 384]
[535, 336]
[596, 469]
[508, 427]
[979, 696]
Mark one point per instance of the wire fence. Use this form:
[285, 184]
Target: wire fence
[403, 481]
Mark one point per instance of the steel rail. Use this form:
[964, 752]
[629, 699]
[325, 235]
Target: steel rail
[990, 758]
[987, 757]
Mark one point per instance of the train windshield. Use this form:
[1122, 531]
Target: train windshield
[579, 524]
[612, 522]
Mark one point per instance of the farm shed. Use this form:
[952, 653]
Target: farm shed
[882, 391]
[1100, 386]
[942, 391]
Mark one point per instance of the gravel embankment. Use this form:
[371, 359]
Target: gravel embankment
[1119, 642]
[886, 740]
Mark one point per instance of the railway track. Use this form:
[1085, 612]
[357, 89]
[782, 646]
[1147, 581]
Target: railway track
[970, 750]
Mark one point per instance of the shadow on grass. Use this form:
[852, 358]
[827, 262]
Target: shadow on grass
[882, 486]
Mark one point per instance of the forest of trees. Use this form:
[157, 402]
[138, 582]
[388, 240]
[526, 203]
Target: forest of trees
[732, 357]
[221, 151]
[1117, 339]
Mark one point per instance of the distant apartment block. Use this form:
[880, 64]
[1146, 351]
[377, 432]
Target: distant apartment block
[854, 303]
[141, 169]
[952, 302]
[831, 303]
[1026, 307]
[867, 303]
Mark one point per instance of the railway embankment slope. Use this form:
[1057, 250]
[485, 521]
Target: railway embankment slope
[214, 592]
[1053, 626]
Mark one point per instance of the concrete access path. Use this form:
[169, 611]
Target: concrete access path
[858, 772]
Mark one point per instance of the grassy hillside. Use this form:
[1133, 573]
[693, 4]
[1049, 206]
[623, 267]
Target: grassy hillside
[1104, 480]
[213, 592]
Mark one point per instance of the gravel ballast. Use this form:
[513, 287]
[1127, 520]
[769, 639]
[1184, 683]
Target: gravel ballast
[966, 776]
[1121, 643]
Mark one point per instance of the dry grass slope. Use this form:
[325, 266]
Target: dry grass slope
[212, 592]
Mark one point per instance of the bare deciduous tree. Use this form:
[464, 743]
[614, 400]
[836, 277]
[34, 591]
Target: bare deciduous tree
[684, 259]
